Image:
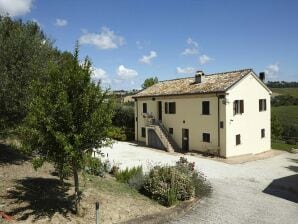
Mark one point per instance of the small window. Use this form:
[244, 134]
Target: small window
[262, 105]
[238, 139]
[206, 137]
[238, 107]
[144, 132]
[171, 131]
[145, 108]
[206, 107]
[263, 133]
[221, 124]
[170, 108]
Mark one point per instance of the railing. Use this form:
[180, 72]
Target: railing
[164, 130]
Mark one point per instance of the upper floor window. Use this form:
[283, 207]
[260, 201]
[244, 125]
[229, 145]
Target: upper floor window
[205, 107]
[206, 137]
[144, 107]
[238, 107]
[262, 105]
[170, 107]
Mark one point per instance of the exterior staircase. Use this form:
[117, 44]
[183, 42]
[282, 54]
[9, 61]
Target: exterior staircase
[163, 134]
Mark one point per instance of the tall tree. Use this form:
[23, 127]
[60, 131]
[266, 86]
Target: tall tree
[149, 82]
[68, 117]
[24, 54]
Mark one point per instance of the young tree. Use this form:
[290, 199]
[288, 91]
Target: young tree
[24, 54]
[276, 127]
[68, 117]
[149, 82]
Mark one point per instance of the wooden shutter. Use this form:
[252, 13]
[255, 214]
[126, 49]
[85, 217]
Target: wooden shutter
[241, 106]
[174, 108]
[234, 106]
[265, 106]
[260, 105]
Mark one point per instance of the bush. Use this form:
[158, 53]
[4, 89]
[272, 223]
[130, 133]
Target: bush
[134, 177]
[95, 166]
[170, 184]
[117, 133]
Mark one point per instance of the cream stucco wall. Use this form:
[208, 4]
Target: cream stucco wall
[250, 123]
[189, 115]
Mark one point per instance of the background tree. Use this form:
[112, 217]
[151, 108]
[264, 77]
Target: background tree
[24, 55]
[149, 82]
[68, 117]
[276, 127]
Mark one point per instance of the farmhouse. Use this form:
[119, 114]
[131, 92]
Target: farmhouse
[227, 114]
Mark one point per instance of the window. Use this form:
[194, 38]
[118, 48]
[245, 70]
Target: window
[262, 105]
[170, 108]
[144, 132]
[206, 137]
[238, 107]
[221, 124]
[238, 139]
[263, 133]
[206, 107]
[145, 108]
[171, 131]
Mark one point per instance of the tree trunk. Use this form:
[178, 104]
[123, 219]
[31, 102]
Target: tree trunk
[76, 183]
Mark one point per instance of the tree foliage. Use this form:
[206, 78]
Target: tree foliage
[24, 55]
[149, 82]
[68, 117]
[276, 127]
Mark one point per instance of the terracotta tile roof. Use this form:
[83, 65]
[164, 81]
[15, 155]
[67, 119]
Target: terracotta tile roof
[218, 82]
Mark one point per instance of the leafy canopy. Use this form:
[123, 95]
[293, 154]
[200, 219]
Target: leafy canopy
[149, 82]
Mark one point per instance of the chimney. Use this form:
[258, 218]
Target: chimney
[262, 76]
[199, 77]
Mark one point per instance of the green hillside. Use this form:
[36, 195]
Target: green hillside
[285, 91]
[286, 114]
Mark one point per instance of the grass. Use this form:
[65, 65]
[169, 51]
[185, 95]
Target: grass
[280, 145]
[286, 91]
[286, 114]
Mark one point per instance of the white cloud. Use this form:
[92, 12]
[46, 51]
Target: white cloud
[186, 70]
[100, 74]
[15, 7]
[190, 41]
[192, 49]
[106, 39]
[272, 70]
[204, 59]
[146, 59]
[126, 73]
[61, 22]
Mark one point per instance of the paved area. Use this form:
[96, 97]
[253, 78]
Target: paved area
[238, 189]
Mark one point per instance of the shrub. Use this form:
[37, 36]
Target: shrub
[137, 181]
[94, 166]
[117, 133]
[170, 184]
[131, 176]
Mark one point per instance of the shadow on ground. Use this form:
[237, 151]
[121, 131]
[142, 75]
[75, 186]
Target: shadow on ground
[286, 188]
[40, 197]
[8, 155]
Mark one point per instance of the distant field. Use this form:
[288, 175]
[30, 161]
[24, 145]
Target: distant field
[285, 91]
[286, 114]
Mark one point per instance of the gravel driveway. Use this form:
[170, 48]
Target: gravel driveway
[238, 195]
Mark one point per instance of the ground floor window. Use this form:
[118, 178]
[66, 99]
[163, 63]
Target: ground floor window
[206, 137]
[238, 139]
[171, 131]
[144, 132]
[263, 133]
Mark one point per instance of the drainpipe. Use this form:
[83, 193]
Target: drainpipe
[137, 118]
[218, 121]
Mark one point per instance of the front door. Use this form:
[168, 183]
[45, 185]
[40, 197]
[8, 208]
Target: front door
[159, 110]
[185, 139]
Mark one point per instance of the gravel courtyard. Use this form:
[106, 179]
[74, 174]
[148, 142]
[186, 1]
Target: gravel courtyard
[238, 195]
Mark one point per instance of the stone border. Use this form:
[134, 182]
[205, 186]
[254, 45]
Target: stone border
[162, 217]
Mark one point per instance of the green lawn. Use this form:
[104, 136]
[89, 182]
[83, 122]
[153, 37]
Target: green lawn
[283, 146]
[286, 91]
[286, 114]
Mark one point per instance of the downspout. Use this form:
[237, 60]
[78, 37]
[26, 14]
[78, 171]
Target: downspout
[137, 118]
[218, 122]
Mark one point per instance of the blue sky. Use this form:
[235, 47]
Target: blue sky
[130, 40]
